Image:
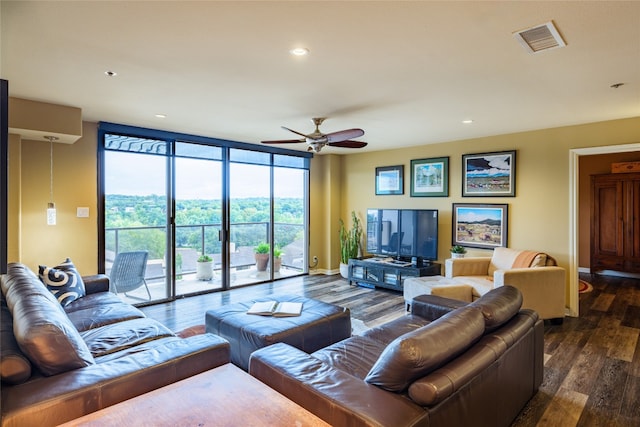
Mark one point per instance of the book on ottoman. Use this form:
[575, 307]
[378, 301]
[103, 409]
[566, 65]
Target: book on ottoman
[276, 309]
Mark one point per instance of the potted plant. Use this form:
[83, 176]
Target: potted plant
[277, 260]
[349, 243]
[204, 267]
[261, 253]
[458, 251]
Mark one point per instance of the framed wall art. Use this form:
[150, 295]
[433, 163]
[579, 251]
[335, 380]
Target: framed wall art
[489, 174]
[430, 177]
[390, 180]
[477, 225]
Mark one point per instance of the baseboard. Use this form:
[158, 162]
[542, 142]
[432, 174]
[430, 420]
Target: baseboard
[324, 271]
[610, 273]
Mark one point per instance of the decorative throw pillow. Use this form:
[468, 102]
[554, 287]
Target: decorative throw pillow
[64, 281]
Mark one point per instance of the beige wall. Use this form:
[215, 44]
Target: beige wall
[13, 198]
[74, 185]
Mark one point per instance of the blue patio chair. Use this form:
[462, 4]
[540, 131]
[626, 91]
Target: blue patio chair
[127, 273]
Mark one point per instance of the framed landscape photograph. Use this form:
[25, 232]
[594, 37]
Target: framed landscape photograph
[430, 177]
[477, 225]
[390, 180]
[489, 174]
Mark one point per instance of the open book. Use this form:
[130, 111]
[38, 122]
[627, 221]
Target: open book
[275, 308]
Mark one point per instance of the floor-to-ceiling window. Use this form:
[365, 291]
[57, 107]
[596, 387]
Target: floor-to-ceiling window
[201, 208]
[136, 206]
[198, 217]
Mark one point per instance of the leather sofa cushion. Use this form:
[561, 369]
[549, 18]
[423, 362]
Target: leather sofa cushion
[122, 335]
[102, 308]
[419, 352]
[355, 355]
[442, 383]
[15, 367]
[47, 336]
[499, 305]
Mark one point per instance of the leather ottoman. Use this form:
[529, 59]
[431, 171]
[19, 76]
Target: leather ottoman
[319, 325]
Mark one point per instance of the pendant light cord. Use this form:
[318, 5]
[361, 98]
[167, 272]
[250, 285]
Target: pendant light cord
[51, 170]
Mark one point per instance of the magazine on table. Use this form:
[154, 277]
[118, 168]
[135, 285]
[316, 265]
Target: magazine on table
[276, 309]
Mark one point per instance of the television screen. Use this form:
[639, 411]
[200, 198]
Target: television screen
[403, 233]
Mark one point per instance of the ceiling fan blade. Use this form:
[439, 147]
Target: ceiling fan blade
[284, 141]
[344, 135]
[294, 131]
[348, 144]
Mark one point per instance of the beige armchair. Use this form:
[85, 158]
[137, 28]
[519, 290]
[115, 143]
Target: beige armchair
[535, 274]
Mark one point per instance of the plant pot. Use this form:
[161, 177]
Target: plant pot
[277, 263]
[456, 255]
[344, 270]
[204, 270]
[261, 261]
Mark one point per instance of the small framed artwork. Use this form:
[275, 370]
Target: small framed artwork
[489, 174]
[390, 180]
[430, 177]
[477, 225]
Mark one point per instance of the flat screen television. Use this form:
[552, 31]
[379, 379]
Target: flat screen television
[403, 233]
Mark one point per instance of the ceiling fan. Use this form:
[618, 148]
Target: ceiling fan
[317, 139]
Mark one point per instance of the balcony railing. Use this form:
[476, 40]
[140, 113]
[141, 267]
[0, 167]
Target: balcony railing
[194, 240]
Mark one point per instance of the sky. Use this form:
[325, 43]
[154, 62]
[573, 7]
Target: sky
[141, 174]
[478, 214]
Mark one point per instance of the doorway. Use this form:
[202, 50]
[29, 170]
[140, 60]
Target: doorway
[574, 231]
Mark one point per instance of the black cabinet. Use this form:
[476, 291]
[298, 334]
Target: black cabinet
[370, 272]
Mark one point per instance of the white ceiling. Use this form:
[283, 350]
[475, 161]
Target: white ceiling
[407, 73]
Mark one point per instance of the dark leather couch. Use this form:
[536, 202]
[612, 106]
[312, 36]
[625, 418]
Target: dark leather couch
[59, 363]
[447, 363]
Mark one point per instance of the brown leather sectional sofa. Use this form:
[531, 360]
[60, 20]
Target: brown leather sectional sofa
[447, 363]
[58, 364]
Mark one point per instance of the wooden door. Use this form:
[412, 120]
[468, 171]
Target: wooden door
[615, 222]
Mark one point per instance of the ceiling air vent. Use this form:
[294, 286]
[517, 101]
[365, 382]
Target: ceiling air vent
[540, 37]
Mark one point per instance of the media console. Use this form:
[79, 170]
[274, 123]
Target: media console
[374, 272]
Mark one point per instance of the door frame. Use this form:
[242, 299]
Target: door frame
[574, 232]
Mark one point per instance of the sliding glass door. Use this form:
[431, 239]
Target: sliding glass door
[208, 214]
[135, 220]
[290, 220]
[198, 217]
[250, 223]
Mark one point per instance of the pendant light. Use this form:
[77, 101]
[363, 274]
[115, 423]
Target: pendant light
[51, 206]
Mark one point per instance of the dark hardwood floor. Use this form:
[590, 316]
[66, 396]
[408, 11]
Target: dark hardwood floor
[592, 362]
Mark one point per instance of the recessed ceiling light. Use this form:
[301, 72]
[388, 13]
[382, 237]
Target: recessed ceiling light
[467, 122]
[161, 116]
[299, 51]
[110, 73]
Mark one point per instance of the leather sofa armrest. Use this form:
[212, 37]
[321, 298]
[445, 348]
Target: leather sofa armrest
[432, 307]
[60, 398]
[331, 394]
[473, 266]
[96, 283]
